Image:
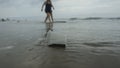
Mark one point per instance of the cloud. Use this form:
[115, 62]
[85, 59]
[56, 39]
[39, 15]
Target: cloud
[19, 8]
[68, 8]
[19, 3]
[89, 7]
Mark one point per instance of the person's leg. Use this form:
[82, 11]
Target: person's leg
[51, 24]
[49, 17]
[46, 18]
[52, 17]
[48, 24]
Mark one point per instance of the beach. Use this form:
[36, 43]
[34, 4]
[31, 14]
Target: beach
[89, 44]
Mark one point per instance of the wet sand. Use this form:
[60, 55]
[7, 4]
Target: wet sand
[89, 44]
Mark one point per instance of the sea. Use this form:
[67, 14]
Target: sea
[90, 43]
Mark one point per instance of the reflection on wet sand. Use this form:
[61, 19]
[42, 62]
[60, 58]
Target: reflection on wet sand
[90, 44]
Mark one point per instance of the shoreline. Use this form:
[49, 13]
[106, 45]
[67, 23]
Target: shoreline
[90, 44]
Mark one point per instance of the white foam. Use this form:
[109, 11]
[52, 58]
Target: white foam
[6, 48]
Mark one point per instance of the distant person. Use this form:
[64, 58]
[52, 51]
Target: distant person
[48, 9]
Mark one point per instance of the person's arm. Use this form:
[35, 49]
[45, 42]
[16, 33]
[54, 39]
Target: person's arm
[43, 6]
[53, 7]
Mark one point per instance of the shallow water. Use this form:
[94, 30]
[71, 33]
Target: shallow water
[89, 44]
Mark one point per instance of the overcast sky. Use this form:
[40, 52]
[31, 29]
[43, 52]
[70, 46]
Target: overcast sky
[63, 8]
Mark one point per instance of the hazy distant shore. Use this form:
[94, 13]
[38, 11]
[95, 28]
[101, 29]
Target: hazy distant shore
[73, 18]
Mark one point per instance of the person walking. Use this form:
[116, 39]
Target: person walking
[49, 16]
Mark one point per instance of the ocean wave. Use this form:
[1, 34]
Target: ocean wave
[95, 18]
[103, 44]
[60, 21]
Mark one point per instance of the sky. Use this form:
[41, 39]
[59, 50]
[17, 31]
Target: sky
[63, 8]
